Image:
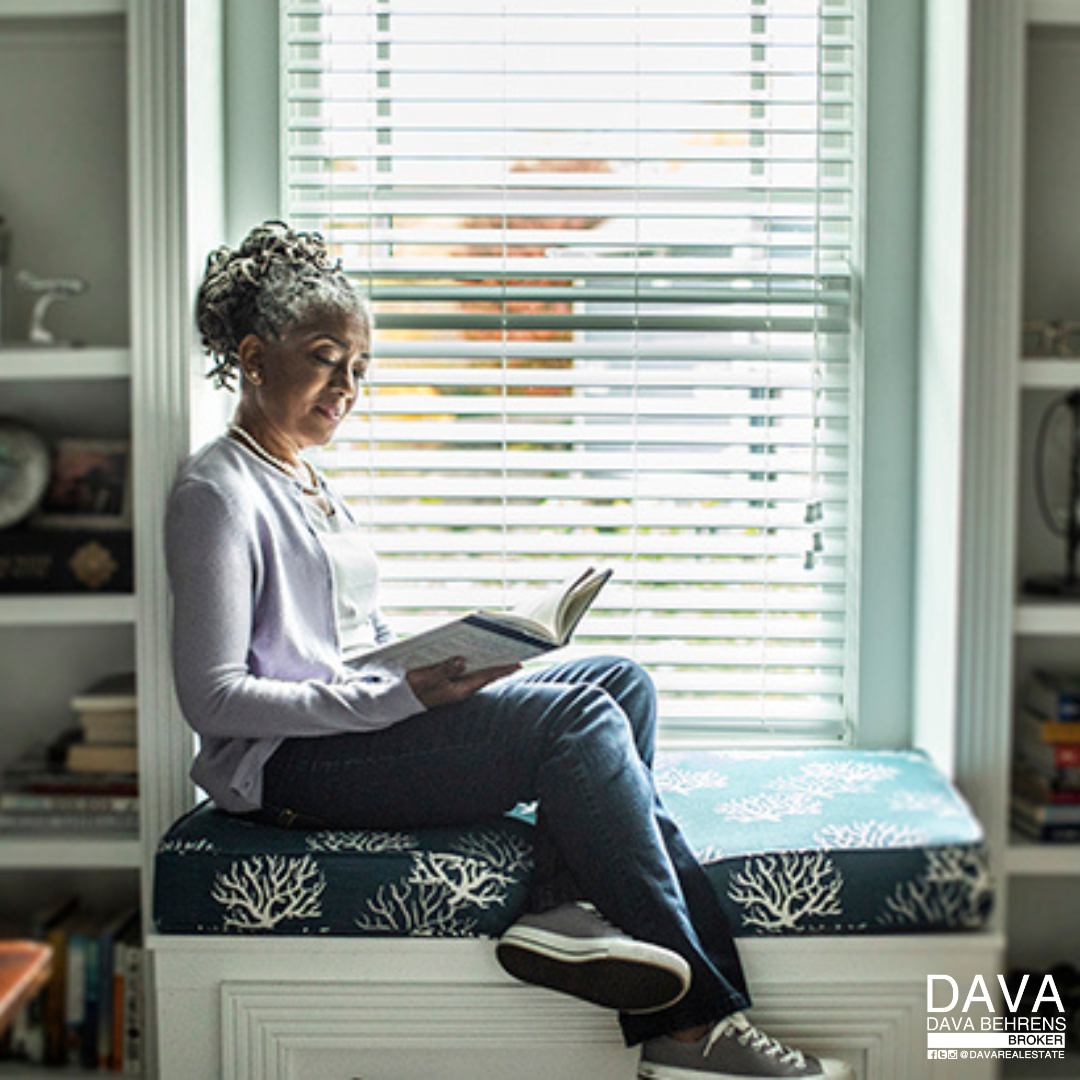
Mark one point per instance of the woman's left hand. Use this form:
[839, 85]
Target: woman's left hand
[447, 683]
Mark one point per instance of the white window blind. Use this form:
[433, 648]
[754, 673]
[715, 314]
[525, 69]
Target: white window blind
[610, 247]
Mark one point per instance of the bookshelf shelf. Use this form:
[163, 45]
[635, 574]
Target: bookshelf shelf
[1027, 858]
[1049, 374]
[1053, 13]
[42, 364]
[66, 610]
[17, 1070]
[1044, 617]
[33, 851]
[60, 9]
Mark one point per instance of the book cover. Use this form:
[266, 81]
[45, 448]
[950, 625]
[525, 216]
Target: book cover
[39, 561]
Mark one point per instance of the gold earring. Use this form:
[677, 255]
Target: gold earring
[254, 378]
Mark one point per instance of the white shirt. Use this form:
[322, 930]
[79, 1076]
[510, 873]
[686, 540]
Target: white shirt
[355, 572]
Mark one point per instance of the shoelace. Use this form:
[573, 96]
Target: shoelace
[739, 1027]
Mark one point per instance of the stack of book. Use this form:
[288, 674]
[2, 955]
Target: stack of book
[86, 780]
[90, 1013]
[1046, 778]
[106, 712]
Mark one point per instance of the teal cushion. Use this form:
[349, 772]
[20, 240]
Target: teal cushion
[824, 841]
[216, 874]
[830, 841]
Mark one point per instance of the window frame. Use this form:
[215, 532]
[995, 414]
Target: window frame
[883, 446]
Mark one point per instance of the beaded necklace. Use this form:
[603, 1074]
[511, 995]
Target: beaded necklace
[310, 488]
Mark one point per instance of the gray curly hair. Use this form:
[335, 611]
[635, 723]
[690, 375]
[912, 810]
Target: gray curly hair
[271, 283]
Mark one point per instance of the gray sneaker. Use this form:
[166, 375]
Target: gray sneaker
[573, 948]
[733, 1050]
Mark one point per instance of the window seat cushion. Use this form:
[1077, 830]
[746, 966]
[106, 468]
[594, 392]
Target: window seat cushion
[824, 841]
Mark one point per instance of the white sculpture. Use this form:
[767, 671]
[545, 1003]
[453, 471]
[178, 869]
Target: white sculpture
[48, 291]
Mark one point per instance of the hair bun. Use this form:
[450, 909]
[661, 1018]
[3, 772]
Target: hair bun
[265, 285]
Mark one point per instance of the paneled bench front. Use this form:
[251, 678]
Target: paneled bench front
[296, 954]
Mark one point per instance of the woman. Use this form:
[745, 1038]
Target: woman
[275, 598]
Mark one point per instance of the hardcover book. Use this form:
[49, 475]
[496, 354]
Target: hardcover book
[42, 561]
[489, 639]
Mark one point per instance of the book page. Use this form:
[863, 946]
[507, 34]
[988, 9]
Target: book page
[546, 610]
[579, 600]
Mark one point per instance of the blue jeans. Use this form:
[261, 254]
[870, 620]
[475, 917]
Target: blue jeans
[578, 739]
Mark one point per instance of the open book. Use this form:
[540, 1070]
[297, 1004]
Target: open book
[488, 639]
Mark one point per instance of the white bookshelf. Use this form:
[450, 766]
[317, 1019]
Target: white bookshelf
[65, 80]
[1027, 271]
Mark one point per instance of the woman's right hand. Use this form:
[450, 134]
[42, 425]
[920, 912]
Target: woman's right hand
[446, 683]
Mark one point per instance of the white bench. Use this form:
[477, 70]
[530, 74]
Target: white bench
[864, 870]
[232, 1008]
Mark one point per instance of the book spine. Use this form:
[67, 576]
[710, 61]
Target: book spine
[70, 784]
[1046, 755]
[493, 626]
[42, 922]
[1050, 699]
[133, 1011]
[88, 1043]
[56, 998]
[1051, 834]
[58, 821]
[106, 949]
[116, 1047]
[21, 801]
[1049, 796]
[1046, 814]
[75, 997]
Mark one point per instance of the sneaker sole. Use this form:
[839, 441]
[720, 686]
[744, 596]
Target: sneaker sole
[648, 1070]
[635, 978]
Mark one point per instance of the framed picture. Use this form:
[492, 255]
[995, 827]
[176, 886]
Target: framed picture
[90, 486]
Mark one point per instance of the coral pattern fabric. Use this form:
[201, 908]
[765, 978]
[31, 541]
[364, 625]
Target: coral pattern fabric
[795, 842]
